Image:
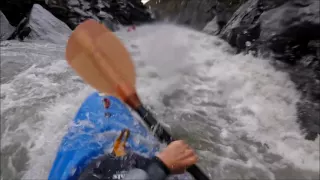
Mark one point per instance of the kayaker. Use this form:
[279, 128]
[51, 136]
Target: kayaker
[131, 28]
[174, 159]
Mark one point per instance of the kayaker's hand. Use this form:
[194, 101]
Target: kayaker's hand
[178, 156]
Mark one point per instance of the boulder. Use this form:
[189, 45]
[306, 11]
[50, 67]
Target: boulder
[5, 27]
[212, 27]
[44, 26]
[242, 19]
[280, 26]
[286, 30]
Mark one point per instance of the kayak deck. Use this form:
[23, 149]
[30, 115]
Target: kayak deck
[93, 132]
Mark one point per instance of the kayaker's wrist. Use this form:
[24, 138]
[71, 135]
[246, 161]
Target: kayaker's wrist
[156, 169]
[161, 164]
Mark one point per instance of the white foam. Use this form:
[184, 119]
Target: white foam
[54, 125]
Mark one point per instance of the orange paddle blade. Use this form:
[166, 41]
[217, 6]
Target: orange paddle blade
[100, 58]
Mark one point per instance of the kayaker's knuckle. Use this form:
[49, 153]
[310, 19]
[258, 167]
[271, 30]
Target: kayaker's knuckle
[181, 142]
[193, 159]
[191, 152]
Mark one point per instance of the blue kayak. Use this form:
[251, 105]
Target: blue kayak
[93, 133]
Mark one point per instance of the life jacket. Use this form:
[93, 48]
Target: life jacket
[114, 166]
[111, 167]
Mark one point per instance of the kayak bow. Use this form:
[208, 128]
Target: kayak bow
[93, 132]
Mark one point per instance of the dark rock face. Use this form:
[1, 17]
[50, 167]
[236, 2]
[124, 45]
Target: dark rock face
[195, 13]
[73, 12]
[5, 27]
[287, 30]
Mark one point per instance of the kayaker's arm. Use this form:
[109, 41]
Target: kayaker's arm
[175, 159]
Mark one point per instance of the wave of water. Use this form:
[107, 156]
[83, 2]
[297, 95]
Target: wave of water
[236, 110]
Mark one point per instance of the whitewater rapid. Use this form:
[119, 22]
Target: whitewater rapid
[237, 111]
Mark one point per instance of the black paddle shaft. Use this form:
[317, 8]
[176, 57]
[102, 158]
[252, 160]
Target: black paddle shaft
[164, 136]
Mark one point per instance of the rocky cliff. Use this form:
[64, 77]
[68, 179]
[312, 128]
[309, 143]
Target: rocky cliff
[287, 31]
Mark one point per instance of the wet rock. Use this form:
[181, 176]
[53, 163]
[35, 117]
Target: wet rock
[74, 3]
[236, 30]
[222, 16]
[284, 27]
[291, 33]
[44, 26]
[6, 29]
[80, 12]
[212, 27]
[286, 30]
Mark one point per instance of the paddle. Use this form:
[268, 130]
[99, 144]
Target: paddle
[99, 57]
